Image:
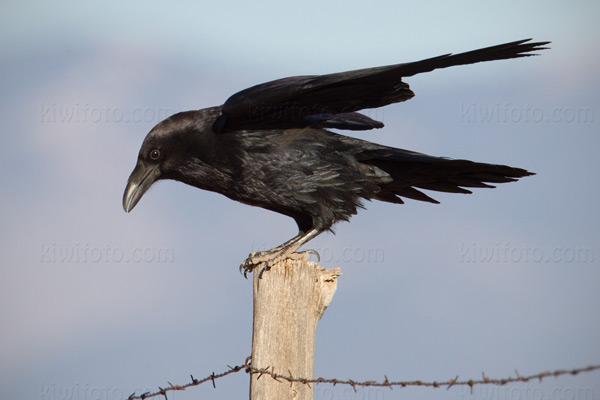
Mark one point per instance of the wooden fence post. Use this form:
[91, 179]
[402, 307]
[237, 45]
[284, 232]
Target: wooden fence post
[289, 301]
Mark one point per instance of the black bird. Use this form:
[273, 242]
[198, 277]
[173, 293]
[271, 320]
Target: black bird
[268, 146]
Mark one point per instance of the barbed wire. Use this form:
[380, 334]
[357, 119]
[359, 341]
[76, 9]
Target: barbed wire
[269, 371]
[195, 382]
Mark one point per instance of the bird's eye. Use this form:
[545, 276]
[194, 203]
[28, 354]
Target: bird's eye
[155, 154]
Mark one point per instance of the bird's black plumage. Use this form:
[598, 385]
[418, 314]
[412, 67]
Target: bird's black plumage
[267, 147]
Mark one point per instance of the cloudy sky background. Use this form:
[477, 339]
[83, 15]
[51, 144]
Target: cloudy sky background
[96, 303]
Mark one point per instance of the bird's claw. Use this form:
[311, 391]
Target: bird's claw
[314, 253]
[266, 259]
[251, 263]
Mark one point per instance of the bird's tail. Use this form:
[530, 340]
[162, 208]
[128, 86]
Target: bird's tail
[412, 171]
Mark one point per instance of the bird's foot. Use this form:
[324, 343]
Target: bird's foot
[266, 259]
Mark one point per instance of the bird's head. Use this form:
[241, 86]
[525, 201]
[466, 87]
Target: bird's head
[167, 152]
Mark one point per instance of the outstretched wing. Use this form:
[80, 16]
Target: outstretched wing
[331, 101]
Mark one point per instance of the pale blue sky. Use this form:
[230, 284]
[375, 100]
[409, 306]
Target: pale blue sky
[499, 280]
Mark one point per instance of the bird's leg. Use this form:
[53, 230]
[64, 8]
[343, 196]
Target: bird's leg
[281, 252]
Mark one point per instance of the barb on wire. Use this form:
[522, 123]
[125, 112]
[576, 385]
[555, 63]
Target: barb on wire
[248, 368]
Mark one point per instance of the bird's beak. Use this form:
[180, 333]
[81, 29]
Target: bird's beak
[140, 180]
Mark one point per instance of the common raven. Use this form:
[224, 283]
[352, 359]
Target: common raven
[268, 146]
